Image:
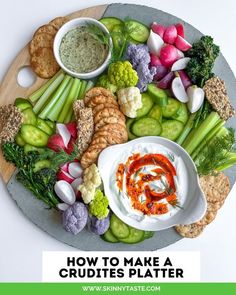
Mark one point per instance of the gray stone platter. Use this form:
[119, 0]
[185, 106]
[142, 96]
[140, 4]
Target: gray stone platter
[50, 220]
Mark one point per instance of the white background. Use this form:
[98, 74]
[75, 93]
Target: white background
[21, 242]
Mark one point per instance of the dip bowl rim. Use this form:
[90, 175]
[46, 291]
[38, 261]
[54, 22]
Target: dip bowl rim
[77, 22]
[197, 205]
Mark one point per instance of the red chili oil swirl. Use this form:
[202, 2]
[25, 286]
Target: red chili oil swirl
[134, 189]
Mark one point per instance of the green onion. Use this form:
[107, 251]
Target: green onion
[45, 112]
[49, 91]
[59, 106]
[39, 92]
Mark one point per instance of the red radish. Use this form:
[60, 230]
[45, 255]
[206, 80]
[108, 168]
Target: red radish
[62, 206]
[64, 132]
[56, 143]
[158, 29]
[185, 79]
[182, 44]
[154, 43]
[72, 128]
[161, 71]
[75, 169]
[168, 55]
[178, 90]
[165, 82]
[180, 54]
[62, 175]
[170, 35]
[180, 64]
[65, 192]
[70, 147]
[64, 167]
[76, 183]
[180, 29]
[155, 60]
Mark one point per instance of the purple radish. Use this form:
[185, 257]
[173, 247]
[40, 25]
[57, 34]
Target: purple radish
[165, 82]
[180, 64]
[185, 79]
[170, 35]
[178, 89]
[161, 71]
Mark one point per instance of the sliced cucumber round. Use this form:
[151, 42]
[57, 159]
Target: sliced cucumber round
[147, 104]
[158, 95]
[135, 236]
[156, 113]
[110, 22]
[29, 117]
[182, 115]
[171, 129]
[138, 31]
[118, 228]
[172, 107]
[34, 136]
[19, 140]
[109, 237]
[22, 103]
[129, 123]
[146, 127]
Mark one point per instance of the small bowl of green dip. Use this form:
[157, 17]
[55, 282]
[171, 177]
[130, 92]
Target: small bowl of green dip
[80, 51]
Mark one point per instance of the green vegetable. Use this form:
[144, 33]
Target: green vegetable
[110, 22]
[41, 164]
[148, 235]
[129, 123]
[30, 148]
[29, 116]
[99, 205]
[171, 129]
[217, 153]
[187, 129]
[227, 163]
[147, 104]
[34, 136]
[19, 140]
[138, 31]
[103, 81]
[172, 107]
[22, 103]
[203, 54]
[41, 183]
[118, 228]
[156, 113]
[158, 95]
[109, 237]
[198, 134]
[135, 236]
[146, 127]
[182, 114]
[82, 89]
[122, 74]
[41, 124]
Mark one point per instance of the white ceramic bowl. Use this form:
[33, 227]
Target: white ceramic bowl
[192, 199]
[81, 21]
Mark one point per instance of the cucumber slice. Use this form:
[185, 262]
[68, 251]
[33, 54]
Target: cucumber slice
[171, 129]
[147, 104]
[146, 127]
[34, 136]
[148, 235]
[41, 124]
[182, 115]
[29, 148]
[118, 228]
[135, 236]
[29, 117]
[41, 165]
[129, 123]
[109, 237]
[51, 124]
[138, 31]
[22, 103]
[158, 95]
[171, 108]
[156, 113]
[110, 22]
[117, 39]
[19, 140]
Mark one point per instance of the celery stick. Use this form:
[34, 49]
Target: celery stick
[198, 134]
[36, 95]
[229, 162]
[82, 89]
[207, 139]
[59, 105]
[68, 116]
[187, 128]
[45, 112]
[90, 85]
[70, 98]
[49, 91]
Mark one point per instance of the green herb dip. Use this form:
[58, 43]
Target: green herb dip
[81, 52]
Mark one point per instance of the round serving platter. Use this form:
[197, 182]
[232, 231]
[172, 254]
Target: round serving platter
[50, 220]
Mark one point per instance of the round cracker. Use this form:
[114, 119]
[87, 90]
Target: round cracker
[58, 22]
[97, 91]
[108, 120]
[101, 99]
[101, 106]
[116, 128]
[216, 188]
[108, 112]
[214, 206]
[48, 29]
[207, 218]
[39, 41]
[43, 63]
[91, 155]
[190, 230]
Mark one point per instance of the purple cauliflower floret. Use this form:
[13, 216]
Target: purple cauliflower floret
[75, 218]
[145, 75]
[139, 57]
[98, 226]
[137, 54]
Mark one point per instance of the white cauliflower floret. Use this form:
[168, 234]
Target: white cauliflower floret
[130, 100]
[92, 180]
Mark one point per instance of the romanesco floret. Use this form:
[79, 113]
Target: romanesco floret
[122, 74]
[103, 81]
[99, 205]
